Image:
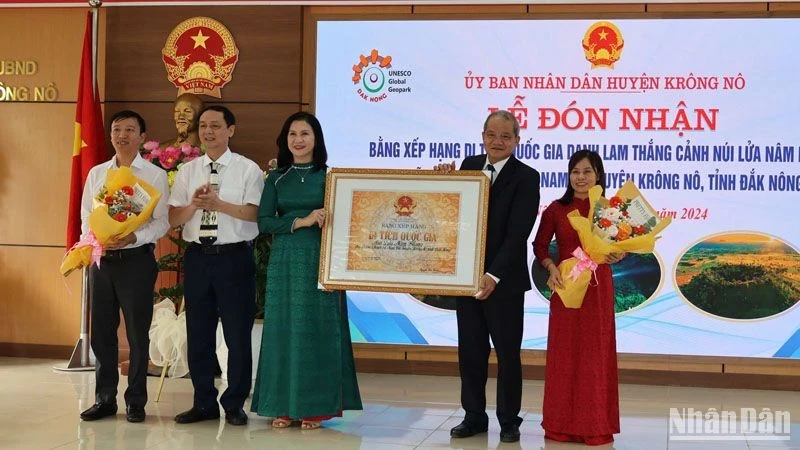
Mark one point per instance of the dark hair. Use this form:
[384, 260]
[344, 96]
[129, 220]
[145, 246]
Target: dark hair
[320, 153]
[597, 164]
[230, 119]
[128, 114]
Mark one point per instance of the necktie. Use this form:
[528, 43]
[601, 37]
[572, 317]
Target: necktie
[208, 221]
[490, 168]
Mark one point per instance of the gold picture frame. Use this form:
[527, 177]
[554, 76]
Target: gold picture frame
[411, 231]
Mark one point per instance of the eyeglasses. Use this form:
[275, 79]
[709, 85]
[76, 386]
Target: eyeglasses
[504, 137]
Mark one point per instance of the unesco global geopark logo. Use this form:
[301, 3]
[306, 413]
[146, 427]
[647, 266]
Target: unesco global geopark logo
[375, 78]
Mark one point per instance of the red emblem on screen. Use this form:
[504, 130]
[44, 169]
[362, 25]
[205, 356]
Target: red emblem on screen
[602, 44]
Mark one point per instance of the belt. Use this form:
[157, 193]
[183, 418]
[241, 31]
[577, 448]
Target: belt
[128, 252]
[217, 248]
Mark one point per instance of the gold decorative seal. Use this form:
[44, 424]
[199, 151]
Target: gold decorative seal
[199, 56]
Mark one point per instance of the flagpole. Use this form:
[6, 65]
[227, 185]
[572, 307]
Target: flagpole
[85, 354]
[95, 4]
[82, 358]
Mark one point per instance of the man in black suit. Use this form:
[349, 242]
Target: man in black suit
[496, 310]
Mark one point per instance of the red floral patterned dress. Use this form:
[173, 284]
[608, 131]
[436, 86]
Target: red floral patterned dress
[581, 399]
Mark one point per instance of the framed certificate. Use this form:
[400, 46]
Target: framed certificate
[415, 231]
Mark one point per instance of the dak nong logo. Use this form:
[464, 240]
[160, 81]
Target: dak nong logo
[751, 424]
[375, 77]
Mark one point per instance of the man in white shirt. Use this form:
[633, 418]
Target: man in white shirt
[216, 199]
[125, 278]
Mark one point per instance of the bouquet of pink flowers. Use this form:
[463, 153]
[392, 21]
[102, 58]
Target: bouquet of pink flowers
[171, 158]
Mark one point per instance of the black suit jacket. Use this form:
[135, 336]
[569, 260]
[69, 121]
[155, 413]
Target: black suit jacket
[513, 207]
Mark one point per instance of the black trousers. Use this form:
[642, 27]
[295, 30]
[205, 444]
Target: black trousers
[501, 319]
[125, 280]
[220, 286]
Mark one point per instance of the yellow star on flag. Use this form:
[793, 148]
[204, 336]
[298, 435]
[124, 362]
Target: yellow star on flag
[78, 142]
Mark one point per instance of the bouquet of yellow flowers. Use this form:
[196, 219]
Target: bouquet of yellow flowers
[122, 206]
[624, 223]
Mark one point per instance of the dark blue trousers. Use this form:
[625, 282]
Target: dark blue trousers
[218, 286]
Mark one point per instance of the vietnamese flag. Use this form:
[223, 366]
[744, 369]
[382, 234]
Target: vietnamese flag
[89, 146]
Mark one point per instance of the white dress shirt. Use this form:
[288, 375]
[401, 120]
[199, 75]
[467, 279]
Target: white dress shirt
[153, 229]
[241, 182]
[498, 166]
